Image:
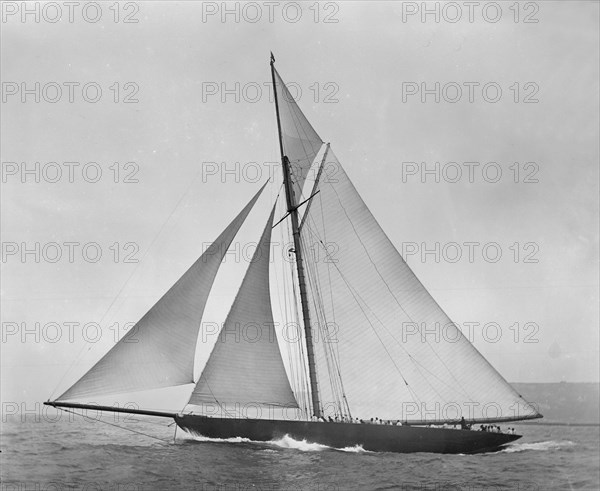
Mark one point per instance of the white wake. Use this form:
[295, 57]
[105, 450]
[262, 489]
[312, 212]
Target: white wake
[538, 446]
[286, 442]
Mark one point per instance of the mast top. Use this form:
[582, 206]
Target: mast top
[272, 58]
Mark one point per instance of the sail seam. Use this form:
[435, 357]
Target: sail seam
[392, 293]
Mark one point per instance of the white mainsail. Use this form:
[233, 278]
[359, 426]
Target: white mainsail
[389, 350]
[301, 143]
[245, 367]
[159, 350]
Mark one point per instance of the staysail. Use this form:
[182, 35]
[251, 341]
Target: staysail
[301, 143]
[385, 348]
[245, 367]
[159, 350]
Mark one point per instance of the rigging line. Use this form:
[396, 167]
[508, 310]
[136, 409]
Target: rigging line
[402, 347]
[354, 294]
[419, 365]
[390, 333]
[333, 364]
[319, 311]
[212, 393]
[296, 114]
[303, 363]
[283, 311]
[284, 314]
[392, 293]
[303, 357]
[292, 103]
[116, 426]
[302, 140]
[301, 382]
[301, 133]
[315, 185]
[371, 324]
[334, 353]
[380, 340]
[278, 193]
[412, 359]
[295, 346]
[78, 357]
[315, 272]
[300, 365]
[294, 363]
[328, 266]
[328, 361]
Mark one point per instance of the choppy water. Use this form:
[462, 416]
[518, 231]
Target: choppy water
[86, 455]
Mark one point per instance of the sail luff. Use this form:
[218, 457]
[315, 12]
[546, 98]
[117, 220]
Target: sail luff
[159, 350]
[293, 211]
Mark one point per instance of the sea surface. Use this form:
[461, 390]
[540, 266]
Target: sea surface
[75, 453]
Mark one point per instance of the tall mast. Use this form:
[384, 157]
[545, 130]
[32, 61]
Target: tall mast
[293, 211]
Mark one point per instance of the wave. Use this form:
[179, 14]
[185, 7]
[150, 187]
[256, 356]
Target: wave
[538, 446]
[302, 445]
[354, 449]
[235, 439]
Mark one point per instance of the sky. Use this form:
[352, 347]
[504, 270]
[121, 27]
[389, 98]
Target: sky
[183, 134]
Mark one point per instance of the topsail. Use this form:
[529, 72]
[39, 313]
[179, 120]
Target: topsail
[301, 143]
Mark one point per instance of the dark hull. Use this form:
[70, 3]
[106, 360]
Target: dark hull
[377, 438]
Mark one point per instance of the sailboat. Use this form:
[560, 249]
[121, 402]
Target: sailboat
[367, 371]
